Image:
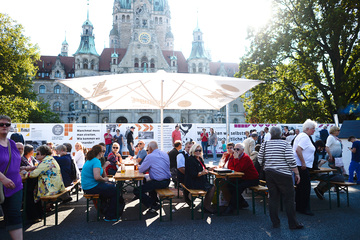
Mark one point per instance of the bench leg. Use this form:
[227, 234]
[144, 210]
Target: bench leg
[264, 197]
[77, 192]
[192, 208]
[347, 195]
[98, 210]
[56, 212]
[170, 209]
[44, 213]
[161, 201]
[87, 210]
[338, 195]
[202, 207]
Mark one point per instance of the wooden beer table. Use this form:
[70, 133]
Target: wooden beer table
[129, 178]
[227, 179]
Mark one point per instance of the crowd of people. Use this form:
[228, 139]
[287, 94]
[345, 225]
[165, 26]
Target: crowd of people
[279, 156]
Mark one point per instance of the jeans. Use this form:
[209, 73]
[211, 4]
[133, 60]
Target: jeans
[108, 149]
[107, 191]
[12, 211]
[213, 151]
[354, 166]
[131, 151]
[204, 146]
[150, 186]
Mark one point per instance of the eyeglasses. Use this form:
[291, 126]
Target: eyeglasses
[5, 124]
[237, 149]
[198, 150]
[115, 148]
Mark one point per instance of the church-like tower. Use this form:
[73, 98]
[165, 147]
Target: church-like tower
[199, 61]
[86, 57]
[64, 48]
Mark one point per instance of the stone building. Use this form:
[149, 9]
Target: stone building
[141, 40]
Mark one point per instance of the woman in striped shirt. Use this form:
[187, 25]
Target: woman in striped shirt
[277, 157]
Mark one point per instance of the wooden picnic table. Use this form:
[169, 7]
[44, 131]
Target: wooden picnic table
[128, 178]
[226, 177]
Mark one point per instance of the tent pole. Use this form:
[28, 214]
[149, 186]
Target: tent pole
[162, 115]
[227, 124]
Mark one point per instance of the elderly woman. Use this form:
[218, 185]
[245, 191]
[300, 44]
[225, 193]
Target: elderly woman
[333, 148]
[279, 164]
[11, 180]
[94, 181]
[48, 172]
[113, 160]
[195, 176]
[304, 149]
[79, 157]
[27, 160]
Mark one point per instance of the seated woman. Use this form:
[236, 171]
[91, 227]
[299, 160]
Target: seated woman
[27, 160]
[94, 181]
[224, 161]
[114, 158]
[195, 176]
[48, 172]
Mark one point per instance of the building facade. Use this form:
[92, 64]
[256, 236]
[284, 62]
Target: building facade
[141, 40]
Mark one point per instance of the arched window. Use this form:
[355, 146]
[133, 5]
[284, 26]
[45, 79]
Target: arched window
[114, 61]
[145, 119]
[57, 89]
[121, 120]
[116, 17]
[143, 61]
[123, 18]
[156, 20]
[105, 120]
[235, 108]
[71, 106]
[236, 120]
[83, 119]
[86, 64]
[136, 63]
[193, 68]
[92, 64]
[200, 67]
[152, 63]
[128, 18]
[71, 91]
[56, 107]
[57, 74]
[160, 20]
[42, 89]
[168, 120]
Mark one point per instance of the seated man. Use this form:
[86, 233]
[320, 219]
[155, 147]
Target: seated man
[241, 163]
[173, 164]
[180, 159]
[142, 152]
[157, 163]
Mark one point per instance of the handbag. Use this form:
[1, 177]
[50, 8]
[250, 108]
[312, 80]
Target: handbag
[2, 195]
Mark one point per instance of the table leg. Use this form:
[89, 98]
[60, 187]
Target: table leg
[117, 199]
[217, 183]
[237, 196]
[140, 211]
[25, 199]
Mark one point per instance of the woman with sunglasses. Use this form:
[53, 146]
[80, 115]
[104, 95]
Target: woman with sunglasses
[195, 176]
[113, 159]
[95, 181]
[11, 180]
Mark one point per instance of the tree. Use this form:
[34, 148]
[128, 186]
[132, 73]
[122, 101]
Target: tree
[43, 113]
[308, 56]
[17, 70]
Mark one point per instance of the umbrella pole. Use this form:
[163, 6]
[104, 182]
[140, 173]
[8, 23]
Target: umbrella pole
[227, 124]
[162, 115]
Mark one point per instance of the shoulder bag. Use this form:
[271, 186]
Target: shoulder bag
[2, 195]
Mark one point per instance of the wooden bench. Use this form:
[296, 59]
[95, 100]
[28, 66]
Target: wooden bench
[93, 197]
[165, 194]
[258, 190]
[195, 193]
[342, 186]
[56, 198]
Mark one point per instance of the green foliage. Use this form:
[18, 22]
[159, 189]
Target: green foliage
[17, 70]
[308, 56]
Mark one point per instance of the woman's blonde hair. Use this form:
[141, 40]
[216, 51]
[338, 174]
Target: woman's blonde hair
[333, 129]
[193, 148]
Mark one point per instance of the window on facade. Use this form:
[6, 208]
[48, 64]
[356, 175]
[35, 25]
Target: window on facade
[200, 68]
[85, 64]
[145, 119]
[236, 120]
[136, 62]
[84, 104]
[128, 18]
[156, 20]
[92, 64]
[57, 74]
[235, 108]
[92, 106]
[144, 62]
[152, 63]
[160, 20]
[199, 38]
[57, 89]
[168, 120]
[174, 64]
[43, 74]
[71, 91]
[56, 107]
[121, 120]
[42, 89]
[105, 120]
[114, 61]
[123, 18]
[71, 106]
[193, 68]
[76, 105]
[83, 119]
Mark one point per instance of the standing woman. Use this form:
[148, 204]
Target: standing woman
[277, 157]
[304, 150]
[333, 148]
[204, 136]
[118, 138]
[213, 141]
[11, 180]
[196, 176]
[79, 157]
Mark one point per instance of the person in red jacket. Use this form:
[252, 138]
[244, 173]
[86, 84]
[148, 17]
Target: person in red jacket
[241, 163]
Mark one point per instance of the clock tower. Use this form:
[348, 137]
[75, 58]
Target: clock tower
[144, 51]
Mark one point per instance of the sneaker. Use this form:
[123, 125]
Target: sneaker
[319, 194]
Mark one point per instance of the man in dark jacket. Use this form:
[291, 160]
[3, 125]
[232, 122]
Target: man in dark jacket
[173, 163]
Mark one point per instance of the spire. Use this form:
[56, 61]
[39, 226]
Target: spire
[87, 10]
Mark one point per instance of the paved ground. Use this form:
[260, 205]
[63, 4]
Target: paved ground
[337, 223]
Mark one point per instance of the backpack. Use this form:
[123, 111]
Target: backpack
[127, 132]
